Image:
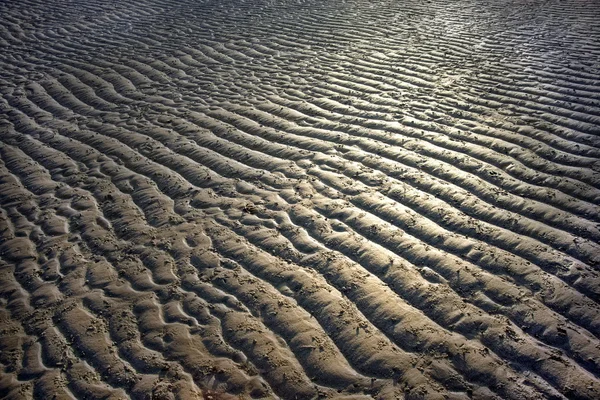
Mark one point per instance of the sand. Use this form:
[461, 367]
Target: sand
[299, 199]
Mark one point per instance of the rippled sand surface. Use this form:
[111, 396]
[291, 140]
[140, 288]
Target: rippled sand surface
[361, 199]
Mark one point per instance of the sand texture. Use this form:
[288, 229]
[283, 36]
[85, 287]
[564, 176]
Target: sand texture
[300, 199]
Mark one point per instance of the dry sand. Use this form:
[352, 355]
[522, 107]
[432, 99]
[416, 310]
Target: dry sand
[299, 199]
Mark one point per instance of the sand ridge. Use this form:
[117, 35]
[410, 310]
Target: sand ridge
[299, 199]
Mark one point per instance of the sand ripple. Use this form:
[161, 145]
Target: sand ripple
[299, 199]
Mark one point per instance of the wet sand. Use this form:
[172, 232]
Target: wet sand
[299, 199]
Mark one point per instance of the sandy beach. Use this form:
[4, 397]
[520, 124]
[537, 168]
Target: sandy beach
[300, 199]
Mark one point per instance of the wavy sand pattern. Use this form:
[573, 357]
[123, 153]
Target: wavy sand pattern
[299, 199]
